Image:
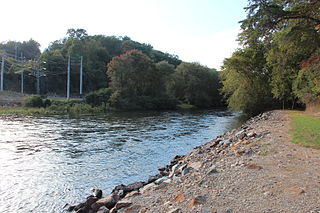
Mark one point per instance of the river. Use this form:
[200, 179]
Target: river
[46, 162]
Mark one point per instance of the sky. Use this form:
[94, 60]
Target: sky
[201, 31]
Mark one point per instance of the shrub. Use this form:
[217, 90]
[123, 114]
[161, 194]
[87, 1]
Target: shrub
[46, 103]
[33, 101]
[99, 97]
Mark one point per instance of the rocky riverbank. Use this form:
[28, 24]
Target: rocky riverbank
[250, 169]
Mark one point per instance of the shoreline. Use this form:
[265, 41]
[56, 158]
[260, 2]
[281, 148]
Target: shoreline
[180, 167]
[253, 168]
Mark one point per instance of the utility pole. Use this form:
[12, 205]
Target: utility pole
[68, 82]
[81, 76]
[2, 70]
[21, 77]
[38, 80]
[15, 50]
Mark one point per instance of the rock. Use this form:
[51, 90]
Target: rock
[82, 210]
[212, 171]
[241, 134]
[197, 201]
[68, 207]
[132, 194]
[177, 210]
[165, 173]
[109, 202]
[195, 165]
[176, 159]
[253, 166]
[131, 209]
[161, 180]
[162, 169]
[186, 171]
[103, 209]
[128, 188]
[123, 203]
[239, 153]
[97, 193]
[154, 178]
[113, 210]
[175, 170]
[147, 188]
[179, 198]
[251, 134]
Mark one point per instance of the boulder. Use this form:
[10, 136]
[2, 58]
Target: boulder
[132, 194]
[109, 202]
[161, 180]
[128, 188]
[147, 188]
[97, 193]
[154, 178]
[123, 204]
[103, 209]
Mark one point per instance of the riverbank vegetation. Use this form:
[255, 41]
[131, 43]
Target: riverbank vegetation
[305, 130]
[118, 73]
[278, 64]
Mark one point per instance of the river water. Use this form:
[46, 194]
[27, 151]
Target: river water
[46, 162]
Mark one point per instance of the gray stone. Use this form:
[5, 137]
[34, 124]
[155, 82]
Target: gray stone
[147, 187]
[103, 209]
[212, 171]
[186, 171]
[161, 180]
[123, 203]
[109, 202]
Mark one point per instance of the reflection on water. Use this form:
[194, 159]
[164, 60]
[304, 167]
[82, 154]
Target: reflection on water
[48, 161]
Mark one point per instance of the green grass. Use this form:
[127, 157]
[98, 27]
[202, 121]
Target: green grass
[305, 130]
[75, 109]
[186, 106]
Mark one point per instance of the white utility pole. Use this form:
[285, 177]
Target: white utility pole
[68, 82]
[2, 70]
[38, 81]
[21, 77]
[81, 70]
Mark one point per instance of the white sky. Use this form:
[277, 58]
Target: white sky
[196, 30]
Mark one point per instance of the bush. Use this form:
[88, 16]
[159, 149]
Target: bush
[99, 97]
[33, 101]
[46, 103]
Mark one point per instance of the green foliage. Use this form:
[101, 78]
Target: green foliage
[99, 97]
[133, 78]
[307, 83]
[195, 84]
[33, 101]
[246, 80]
[97, 51]
[283, 34]
[306, 130]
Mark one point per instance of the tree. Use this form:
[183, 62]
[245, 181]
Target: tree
[195, 84]
[133, 75]
[307, 83]
[246, 81]
[77, 33]
[290, 47]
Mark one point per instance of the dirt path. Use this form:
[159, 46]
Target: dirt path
[259, 171]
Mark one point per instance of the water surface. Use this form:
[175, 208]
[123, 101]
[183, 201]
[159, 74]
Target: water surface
[46, 162]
